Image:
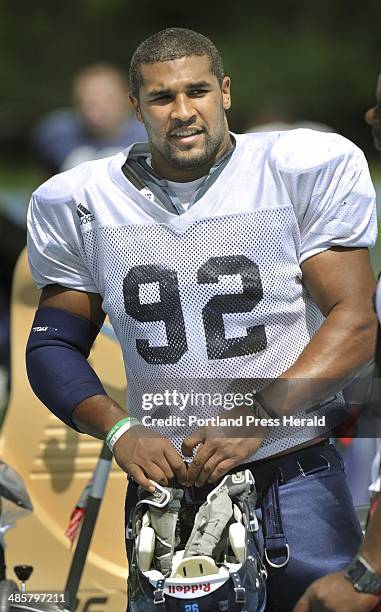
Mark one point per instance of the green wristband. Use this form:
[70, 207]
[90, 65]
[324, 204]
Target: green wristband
[115, 428]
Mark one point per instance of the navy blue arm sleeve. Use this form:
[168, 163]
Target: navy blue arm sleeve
[56, 360]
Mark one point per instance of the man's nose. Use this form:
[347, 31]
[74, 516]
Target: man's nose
[182, 108]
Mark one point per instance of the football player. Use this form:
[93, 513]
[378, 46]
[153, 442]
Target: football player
[221, 260]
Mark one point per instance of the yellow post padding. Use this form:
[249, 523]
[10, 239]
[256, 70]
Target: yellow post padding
[56, 463]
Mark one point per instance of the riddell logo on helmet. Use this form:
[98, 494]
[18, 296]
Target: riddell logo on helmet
[191, 590]
[188, 588]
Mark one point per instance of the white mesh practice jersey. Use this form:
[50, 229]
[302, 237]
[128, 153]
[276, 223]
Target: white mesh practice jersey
[215, 293]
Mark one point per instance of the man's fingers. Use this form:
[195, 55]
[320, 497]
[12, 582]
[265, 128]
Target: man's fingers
[176, 464]
[206, 471]
[137, 473]
[222, 467]
[204, 454]
[194, 469]
[191, 441]
[302, 605]
[165, 467]
[156, 473]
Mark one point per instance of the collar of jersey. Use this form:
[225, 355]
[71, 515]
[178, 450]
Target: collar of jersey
[136, 157]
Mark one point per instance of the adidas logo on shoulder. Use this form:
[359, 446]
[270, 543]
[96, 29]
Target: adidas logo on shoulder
[85, 216]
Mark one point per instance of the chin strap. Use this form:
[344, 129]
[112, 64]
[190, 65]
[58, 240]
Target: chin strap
[158, 596]
[240, 592]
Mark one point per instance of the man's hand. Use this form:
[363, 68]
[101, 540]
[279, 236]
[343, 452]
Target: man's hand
[334, 593]
[221, 448]
[143, 457]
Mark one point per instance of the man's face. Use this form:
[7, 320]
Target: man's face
[183, 108]
[102, 102]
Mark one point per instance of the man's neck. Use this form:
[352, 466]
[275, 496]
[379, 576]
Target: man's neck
[184, 175]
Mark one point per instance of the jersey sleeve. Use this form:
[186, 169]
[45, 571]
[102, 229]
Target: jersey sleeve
[54, 244]
[332, 193]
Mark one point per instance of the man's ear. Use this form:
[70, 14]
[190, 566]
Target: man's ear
[135, 103]
[226, 97]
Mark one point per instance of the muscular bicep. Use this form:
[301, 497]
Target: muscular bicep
[341, 277]
[82, 303]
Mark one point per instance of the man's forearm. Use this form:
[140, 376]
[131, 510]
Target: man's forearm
[337, 352]
[96, 415]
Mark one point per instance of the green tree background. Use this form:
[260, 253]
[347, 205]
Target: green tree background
[323, 56]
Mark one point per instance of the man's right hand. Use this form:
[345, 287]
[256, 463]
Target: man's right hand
[137, 452]
[143, 456]
[334, 593]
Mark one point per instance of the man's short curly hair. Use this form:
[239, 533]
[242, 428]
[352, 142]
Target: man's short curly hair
[170, 44]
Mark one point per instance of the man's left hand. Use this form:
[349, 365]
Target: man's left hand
[334, 593]
[221, 448]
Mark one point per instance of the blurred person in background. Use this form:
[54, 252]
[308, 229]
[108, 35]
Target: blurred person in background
[357, 589]
[100, 124]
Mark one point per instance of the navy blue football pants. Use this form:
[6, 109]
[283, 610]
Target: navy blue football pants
[322, 530]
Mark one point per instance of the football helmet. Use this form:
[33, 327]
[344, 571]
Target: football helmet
[200, 561]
